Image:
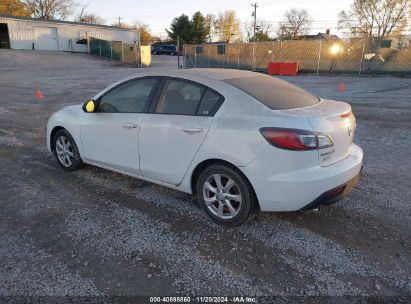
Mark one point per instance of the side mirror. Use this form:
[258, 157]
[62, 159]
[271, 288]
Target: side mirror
[89, 106]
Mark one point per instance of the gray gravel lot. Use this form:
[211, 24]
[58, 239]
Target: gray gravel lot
[94, 232]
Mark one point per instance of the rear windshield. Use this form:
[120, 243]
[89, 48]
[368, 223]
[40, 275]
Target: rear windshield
[274, 93]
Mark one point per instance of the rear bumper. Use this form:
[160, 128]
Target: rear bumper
[334, 195]
[293, 190]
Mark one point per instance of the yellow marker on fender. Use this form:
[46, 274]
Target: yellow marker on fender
[90, 106]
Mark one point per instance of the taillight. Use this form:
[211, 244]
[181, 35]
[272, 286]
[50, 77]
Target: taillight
[295, 139]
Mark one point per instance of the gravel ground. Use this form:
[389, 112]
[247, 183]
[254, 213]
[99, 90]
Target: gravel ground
[98, 233]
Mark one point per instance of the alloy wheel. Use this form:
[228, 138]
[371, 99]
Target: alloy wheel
[64, 151]
[222, 196]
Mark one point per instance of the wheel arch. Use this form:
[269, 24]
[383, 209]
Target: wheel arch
[208, 162]
[52, 134]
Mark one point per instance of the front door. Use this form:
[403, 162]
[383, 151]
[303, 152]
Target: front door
[109, 135]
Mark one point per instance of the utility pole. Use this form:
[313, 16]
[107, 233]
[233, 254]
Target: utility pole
[255, 18]
[255, 27]
[178, 52]
[119, 21]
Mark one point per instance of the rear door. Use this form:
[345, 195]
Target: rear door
[172, 133]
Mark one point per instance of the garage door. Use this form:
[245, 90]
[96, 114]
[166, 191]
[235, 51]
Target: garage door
[46, 39]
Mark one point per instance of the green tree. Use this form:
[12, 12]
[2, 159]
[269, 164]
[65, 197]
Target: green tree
[260, 36]
[181, 27]
[201, 29]
[13, 8]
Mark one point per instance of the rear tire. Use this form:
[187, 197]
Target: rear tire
[66, 151]
[226, 195]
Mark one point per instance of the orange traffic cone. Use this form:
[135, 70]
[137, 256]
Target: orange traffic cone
[341, 88]
[38, 94]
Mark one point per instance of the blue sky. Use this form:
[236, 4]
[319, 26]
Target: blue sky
[158, 14]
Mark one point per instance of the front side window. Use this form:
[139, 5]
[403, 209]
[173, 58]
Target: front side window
[180, 97]
[131, 97]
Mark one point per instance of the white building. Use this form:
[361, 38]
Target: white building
[54, 35]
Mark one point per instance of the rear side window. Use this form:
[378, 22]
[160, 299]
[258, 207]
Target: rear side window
[179, 97]
[274, 93]
[187, 98]
[208, 104]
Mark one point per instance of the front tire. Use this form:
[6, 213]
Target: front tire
[66, 151]
[226, 195]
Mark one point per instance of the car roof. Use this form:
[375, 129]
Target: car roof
[208, 77]
[214, 74]
[221, 74]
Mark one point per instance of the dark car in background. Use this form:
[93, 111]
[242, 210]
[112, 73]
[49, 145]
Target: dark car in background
[165, 50]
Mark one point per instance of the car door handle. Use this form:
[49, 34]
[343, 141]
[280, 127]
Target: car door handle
[191, 130]
[130, 125]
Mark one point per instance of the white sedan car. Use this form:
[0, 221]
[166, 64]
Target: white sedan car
[241, 141]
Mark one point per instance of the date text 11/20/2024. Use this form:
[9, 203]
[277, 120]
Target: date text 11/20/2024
[234, 299]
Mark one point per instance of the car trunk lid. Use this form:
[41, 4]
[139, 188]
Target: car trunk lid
[335, 119]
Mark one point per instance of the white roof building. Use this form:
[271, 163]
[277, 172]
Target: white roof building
[55, 35]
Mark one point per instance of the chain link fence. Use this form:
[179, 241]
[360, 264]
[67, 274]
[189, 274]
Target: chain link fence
[117, 50]
[355, 55]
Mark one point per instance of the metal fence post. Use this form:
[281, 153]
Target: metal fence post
[227, 58]
[224, 58]
[111, 49]
[281, 51]
[140, 59]
[319, 56]
[99, 46]
[122, 52]
[362, 57]
[195, 56]
[209, 55]
[253, 68]
[238, 56]
[272, 54]
[135, 53]
[184, 56]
